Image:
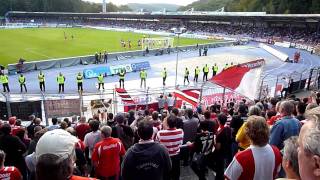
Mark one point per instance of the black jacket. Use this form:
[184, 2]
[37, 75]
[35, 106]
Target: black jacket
[146, 161]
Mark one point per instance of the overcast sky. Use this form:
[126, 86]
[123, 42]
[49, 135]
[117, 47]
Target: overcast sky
[118, 2]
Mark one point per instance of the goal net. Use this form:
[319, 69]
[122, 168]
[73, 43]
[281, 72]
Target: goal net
[157, 43]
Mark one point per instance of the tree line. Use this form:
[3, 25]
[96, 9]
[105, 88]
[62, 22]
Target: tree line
[269, 6]
[56, 6]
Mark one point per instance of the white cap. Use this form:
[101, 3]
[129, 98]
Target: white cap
[58, 142]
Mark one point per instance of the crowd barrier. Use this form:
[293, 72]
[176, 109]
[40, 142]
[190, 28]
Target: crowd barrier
[90, 59]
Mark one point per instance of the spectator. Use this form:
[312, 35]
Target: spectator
[235, 125]
[93, 137]
[222, 152]
[81, 168]
[54, 124]
[34, 141]
[308, 151]
[8, 173]
[241, 137]
[177, 113]
[146, 159]
[290, 158]
[30, 159]
[209, 123]
[286, 127]
[14, 149]
[30, 128]
[110, 121]
[22, 135]
[190, 127]
[172, 139]
[156, 123]
[260, 159]
[123, 132]
[301, 109]
[82, 128]
[55, 155]
[170, 102]
[131, 117]
[202, 147]
[106, 156]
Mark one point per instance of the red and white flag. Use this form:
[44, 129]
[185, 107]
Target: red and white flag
[125, 97]
[243, 79]
[189, 95]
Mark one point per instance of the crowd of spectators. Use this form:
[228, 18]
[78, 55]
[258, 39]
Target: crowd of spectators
[272, 138]
[306, 35]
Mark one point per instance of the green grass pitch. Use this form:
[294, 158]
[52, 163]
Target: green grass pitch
[47, 43]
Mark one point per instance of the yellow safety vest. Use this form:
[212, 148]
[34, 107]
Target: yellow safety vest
[100, 78]
[4, 79]
[143, 74]
[186, 73]
[206, 69]
[197, 71]
[22, 79]
[164, 74]
[41, 77]
[79, 78]
[215, 68]
[60, 79]
[121, 74]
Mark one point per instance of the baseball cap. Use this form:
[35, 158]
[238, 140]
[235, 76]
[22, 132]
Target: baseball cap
[57, 142]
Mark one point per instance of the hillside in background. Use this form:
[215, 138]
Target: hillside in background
[270, 6]
[56, 6]
[152, 7]
[206, 5]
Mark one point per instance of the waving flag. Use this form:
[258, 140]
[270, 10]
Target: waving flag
[125, 97]
[190, 95]
[243, 79]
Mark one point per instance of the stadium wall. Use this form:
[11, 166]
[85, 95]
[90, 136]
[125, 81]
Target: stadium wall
[90, 59]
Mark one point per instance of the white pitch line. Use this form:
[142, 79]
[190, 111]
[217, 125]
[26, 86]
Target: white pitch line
[37, 53]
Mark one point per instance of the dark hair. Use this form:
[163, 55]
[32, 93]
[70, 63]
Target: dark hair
[270, 114]
[146, 112]
[145, 130]
[94, 125]
[67, 121]
[222, 118]
[51, 167]
[119, 118]
[175, 111]
[110, 116]
[273, 101]
[5, 129]
[155, 115]
[172, 121]
[54, 121]
[242, 109]
[305, 100]
[18, 122]
[301, 108]
[207, 115]
[189, 113]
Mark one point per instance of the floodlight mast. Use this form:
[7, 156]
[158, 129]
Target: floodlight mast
[177, 31]
[104, 6]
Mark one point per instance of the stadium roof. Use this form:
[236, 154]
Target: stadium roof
[218, 16]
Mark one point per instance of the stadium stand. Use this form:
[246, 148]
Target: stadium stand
[297, 28]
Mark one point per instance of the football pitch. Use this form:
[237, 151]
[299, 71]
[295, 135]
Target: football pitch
[47, 43]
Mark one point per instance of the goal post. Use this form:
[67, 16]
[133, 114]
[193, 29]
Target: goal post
[157, 43]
